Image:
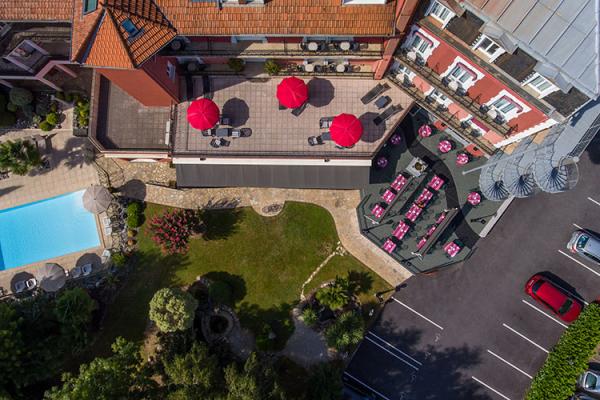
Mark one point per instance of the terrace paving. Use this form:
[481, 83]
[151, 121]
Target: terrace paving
[252, 103]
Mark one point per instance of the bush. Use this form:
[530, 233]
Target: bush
[557, 378]
[7, 118]
[135, 215]
[42, 108]
[20, 96]
[119, 259]
[172, 230]
[54, 107]
[12, 107]
[52, 118]
[173, 310]
[271, 67]
[346, 331]
[68, 97]
[265, 340]
[310, 316]
[220, 292]
[28, 111]
[36, 120]
[46, 126]
[236, 64]
[336, 295]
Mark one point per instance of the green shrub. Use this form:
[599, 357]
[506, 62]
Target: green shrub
[42, 108]
[557, 378]
[119, 259]
[310, 316]
[12, 107]
[28, 110]
[52, 118]
[264, 340]
[68, 97]
[172, 309]
[20, 96]
[54, 107]
[220, 292]
[346, 332]
[135, 215]
[271, 67]
[236, 64]
[46, 126]
[60, 95]
[336, 295]
[7, 118]
[36, 120]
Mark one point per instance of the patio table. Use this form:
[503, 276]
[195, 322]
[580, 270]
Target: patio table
[413, 212]
[425, 131]
[436, 183]
[452, 249]
[431, 230]
[399, 182]
[421, 243]
[462, 159]
[474, 198]
[441, 218]
[389, 246]
[401, 230]
[222, 132]
[377, 211]
[445, 146]
[424, 197]
[388, 196]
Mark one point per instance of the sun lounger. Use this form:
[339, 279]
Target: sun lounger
[382, 102]
[315, 140]
[373, 93]
[388, 113]
[86, 269]
[325, 122]
[297, 111]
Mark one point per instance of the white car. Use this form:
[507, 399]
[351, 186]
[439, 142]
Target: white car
[589, 382]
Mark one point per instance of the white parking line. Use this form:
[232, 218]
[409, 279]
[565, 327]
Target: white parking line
[393, 354]
[577, 226]
[526, 338]
[594, 201]
[419, 314]
[367, 386]
[579, 262]
[491, 388]
[395, 348]
[542, 312]
[512, 365]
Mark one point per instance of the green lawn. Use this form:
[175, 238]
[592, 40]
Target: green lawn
[265, 260]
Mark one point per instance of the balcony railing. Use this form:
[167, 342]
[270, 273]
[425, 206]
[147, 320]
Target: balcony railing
[472, 105]
[443, 114]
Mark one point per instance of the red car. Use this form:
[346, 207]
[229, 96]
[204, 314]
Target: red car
[564, 305]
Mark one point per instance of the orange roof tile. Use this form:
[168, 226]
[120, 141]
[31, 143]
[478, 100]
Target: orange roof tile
[36, 10]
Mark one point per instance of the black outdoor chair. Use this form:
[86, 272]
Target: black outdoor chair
[315, 140]
[388, 113]
[297, 111]
[219, 142]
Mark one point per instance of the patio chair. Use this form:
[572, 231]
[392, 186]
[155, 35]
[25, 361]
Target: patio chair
[315, 140]
[76, 272]
[86, 269]
[282, 107]
[31, 283]
[325, 122]
[19, 286]
[4, 175]
[216, 143]
[105, 221]
[388, 113]
[326, 136]
[107, 230]
[297, 111]
[374, 92]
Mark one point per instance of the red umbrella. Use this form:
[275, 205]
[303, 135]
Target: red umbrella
[203, 114]
[292, 92]
[346, 130]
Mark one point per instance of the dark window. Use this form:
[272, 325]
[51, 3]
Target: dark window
[537, 285]
[89, 5]
[130, 27]
[565, 307]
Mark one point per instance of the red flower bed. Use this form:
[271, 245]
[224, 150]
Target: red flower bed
[172, 230]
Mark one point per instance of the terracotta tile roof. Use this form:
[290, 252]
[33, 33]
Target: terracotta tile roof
[99, 39]
[36, 10]
[280, 17]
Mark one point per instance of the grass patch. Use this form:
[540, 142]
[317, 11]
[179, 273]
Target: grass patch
[264, 261]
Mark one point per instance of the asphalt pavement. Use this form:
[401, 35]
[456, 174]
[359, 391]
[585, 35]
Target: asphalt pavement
[470, 332]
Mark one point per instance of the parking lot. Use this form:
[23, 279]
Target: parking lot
[471, 332]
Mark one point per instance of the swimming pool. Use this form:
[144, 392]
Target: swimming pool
[46, 229]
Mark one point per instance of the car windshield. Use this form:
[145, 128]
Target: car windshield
[565, 307]
[537, 285]
[583, 239]
[590, 381]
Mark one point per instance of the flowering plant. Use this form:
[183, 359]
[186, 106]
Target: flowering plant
[172, 230]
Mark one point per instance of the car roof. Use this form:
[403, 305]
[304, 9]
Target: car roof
[551, 295]
[592, 245]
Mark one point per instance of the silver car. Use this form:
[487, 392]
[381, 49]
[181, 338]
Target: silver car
[586, 244]
[589, 381]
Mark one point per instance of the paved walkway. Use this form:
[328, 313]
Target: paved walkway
[340, 203]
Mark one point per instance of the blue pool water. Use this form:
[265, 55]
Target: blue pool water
[45, 229]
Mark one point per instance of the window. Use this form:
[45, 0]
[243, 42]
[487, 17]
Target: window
[541, 85]
[421, 45]
[130, 28]
[89, 5]
[439, 96]
[565, 307]
[506, 107]
[490, 48]
[440, 12]
[170, 71]
[461, 75]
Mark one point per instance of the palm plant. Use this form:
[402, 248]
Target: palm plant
[19, 157]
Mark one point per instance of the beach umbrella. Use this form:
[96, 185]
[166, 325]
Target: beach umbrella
[96, 199]
[203, 114]
[292, 92]
[346, 130]
[51, 277]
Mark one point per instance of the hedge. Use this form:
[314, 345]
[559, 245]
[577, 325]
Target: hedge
[135, 215]
[557, 378]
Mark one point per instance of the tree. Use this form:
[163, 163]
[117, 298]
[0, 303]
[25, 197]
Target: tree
[198, 370]
[11, 344]
[336, 295]
[20, 96]
[256, 381]
[73, 310]
[325, 382]
[345, 332]
[172, 309]
[19, 156]
[118, 377]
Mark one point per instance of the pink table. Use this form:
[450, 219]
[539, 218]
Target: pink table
[452, 249]
[425, 131]
[424, 197]
[462, 159]
[421, 243]
[401, 230]
[388, 196]
[413, 212]
[440, 218]
[389, 246]
[436, 183]
[431, 230]
[474, 198]
[445, 146]
[377, 211]
[399, 182]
